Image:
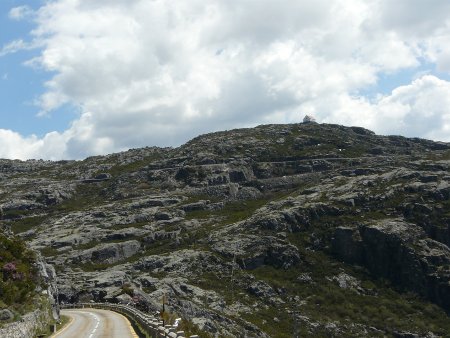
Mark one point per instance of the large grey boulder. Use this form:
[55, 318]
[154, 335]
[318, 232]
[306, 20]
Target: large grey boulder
[108, 253]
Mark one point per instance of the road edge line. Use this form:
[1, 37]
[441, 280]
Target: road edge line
[64, 328]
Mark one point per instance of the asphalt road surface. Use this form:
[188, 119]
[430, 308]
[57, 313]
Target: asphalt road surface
[95, 323]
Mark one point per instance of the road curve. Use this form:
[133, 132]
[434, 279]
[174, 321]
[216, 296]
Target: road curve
[95, 323]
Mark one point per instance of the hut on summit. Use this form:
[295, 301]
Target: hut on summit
[309, 119]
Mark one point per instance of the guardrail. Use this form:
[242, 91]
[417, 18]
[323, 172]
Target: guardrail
[150, 324]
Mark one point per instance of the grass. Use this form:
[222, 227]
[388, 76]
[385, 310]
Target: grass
[48, 251]
[119, 169]
[382, 307]
[125, 226]
[235, 211]
[85, 196]
[190, 329]
[59, 326]
[27, 223]
[439, 156]
[157, 248]
[15, 214]
[63, 322]
[91, 267]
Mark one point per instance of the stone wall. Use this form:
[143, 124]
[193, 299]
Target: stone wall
[29, 326]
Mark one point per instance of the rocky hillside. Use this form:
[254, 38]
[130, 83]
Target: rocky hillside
[307, 229]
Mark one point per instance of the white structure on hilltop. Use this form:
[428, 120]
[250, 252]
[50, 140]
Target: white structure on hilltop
[309, 119]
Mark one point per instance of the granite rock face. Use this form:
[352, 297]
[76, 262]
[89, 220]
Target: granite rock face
[402, 253]
[234, 226]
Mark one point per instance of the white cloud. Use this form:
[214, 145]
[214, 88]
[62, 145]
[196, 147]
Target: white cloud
[414, 17]
[437, 49]
[20, 12]
[159, 72]
[13, 47]
[15, 146]
[423, 25]
[418, 109]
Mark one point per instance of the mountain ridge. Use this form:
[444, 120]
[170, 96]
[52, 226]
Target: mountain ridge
[329, 223]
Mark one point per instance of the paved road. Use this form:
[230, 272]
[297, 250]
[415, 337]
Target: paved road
[95, 323]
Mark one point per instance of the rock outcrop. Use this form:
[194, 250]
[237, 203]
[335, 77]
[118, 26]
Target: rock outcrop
[400, 252]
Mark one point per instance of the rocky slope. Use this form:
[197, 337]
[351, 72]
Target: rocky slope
[308, 229]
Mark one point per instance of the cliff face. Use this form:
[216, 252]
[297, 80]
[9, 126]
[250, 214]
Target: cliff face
[281, 229]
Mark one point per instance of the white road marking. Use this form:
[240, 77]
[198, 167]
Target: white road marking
[96, 325]
[91, 328]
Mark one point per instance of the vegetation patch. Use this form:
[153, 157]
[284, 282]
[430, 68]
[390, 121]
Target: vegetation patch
[27, 223]
[119, 169]
[19, 276]
[322, 300]
[85, 196]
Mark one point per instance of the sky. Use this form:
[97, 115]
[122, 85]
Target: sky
[81, 77]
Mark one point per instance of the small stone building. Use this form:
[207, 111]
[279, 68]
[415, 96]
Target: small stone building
[309, 119]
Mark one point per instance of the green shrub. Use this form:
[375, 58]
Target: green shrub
[19, 276]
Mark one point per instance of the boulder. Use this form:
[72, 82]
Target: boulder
[124, 299]
[261, 289]
[108, 253]
[252, 251]
[6, 315]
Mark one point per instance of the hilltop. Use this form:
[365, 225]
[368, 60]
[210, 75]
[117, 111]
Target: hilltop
[314, 229]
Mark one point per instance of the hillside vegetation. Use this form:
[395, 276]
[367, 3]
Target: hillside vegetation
[19, 278]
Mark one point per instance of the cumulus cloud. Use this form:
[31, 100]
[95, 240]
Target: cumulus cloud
[418, 109]
[15, 146]
[160, 72]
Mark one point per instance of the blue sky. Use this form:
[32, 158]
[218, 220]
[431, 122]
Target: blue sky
[94, 77]
[387, 82]
[20, 85]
